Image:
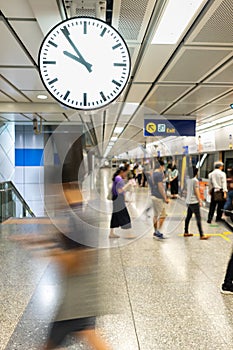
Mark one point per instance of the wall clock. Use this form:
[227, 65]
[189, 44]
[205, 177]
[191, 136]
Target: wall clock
[84, 63]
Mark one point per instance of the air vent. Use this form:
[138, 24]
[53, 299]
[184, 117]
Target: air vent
[216, 26]
[131, 17]
[92, 8]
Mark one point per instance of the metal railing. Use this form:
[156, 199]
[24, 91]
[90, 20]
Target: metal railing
[12, 204]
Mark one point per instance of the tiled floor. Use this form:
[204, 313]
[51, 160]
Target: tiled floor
[160, 294]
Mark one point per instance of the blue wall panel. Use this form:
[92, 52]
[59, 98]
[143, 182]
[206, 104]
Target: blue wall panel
[29, 157]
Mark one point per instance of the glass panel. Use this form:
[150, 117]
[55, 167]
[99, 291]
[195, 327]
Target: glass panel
[12, 203]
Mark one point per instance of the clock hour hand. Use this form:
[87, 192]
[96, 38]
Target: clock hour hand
[81, 59]
[86, 64]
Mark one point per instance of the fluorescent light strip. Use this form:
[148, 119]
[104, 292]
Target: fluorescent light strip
[118, 129]
[174, 20]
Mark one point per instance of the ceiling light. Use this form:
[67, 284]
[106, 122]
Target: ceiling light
[111, 143]
[176, 17]
[42, 97]
[118, 129]
[114, 138]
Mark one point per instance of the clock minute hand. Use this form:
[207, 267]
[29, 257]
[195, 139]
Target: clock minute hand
[81, 59]
[87, 65]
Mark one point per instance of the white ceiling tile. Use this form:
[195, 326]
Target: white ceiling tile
[193, 64]
[14, 117]
[137, 92]
[23, 78]
[152, 62]
[11, 51]
[53, 117]
[8, 89]
[4, 98]
[162, 96]
[24, 30]
[223, 75]
[16, 8]
[203, 94]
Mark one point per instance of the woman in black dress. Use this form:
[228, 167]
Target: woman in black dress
[120, 216]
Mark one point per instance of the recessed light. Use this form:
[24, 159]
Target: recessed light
[42, 97]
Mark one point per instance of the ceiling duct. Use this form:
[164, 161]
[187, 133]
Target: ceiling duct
[92, 8]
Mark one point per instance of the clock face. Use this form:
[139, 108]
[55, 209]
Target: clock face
[84, 63]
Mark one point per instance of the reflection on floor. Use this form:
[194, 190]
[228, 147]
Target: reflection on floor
[166, 292]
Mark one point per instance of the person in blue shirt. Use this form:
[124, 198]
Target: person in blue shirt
[158, 197]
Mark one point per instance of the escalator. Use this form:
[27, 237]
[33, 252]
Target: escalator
[12, 204]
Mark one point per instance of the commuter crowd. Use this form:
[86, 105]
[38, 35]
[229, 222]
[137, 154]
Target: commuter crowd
[164, 184]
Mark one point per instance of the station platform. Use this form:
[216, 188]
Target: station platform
[162, 294]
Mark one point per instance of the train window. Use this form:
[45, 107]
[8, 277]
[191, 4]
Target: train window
[206, 166]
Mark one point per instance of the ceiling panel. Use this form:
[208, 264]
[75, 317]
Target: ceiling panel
[16, 8]
[11, 51]
[23, 78]
[8, 89]
[193, 64]
[223, 75]
[211, 109]
[14, 117]
[53, 117]
[164, 95]
[4, 98]
[137, 13]
[137, 92]
[216, 26]
[183, 108]
[24, 30]
[153, 60]
[203, 94]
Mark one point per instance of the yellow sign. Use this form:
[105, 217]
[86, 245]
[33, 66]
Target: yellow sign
[151, 127]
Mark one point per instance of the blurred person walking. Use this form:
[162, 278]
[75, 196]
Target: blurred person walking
[217, 191]
[158, 197]
[194, 202]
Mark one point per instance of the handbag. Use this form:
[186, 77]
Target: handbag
[218, 196]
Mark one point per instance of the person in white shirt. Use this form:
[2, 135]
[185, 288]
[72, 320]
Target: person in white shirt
[217, 183]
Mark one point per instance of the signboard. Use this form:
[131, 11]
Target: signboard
[164, 127]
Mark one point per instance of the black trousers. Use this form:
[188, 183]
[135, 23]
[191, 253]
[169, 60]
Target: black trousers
[213, 204]
[193, 208]
[229, 273]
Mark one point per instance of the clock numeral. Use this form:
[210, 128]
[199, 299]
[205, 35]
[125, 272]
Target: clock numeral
[116, 82]
[52, 43]
[52, 81]
[49, 62]
[119, 64]
[102, 95]
[85, 27]
[116, 46]
[85, 99]
[103, 32]
[66, 95]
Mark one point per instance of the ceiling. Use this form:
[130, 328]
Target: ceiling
[192, 78]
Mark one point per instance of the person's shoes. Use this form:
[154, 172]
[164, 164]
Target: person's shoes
[204, 237]
[158, 234]
[188, 234]
[113, 235]
[227, 289]
[208, 221]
